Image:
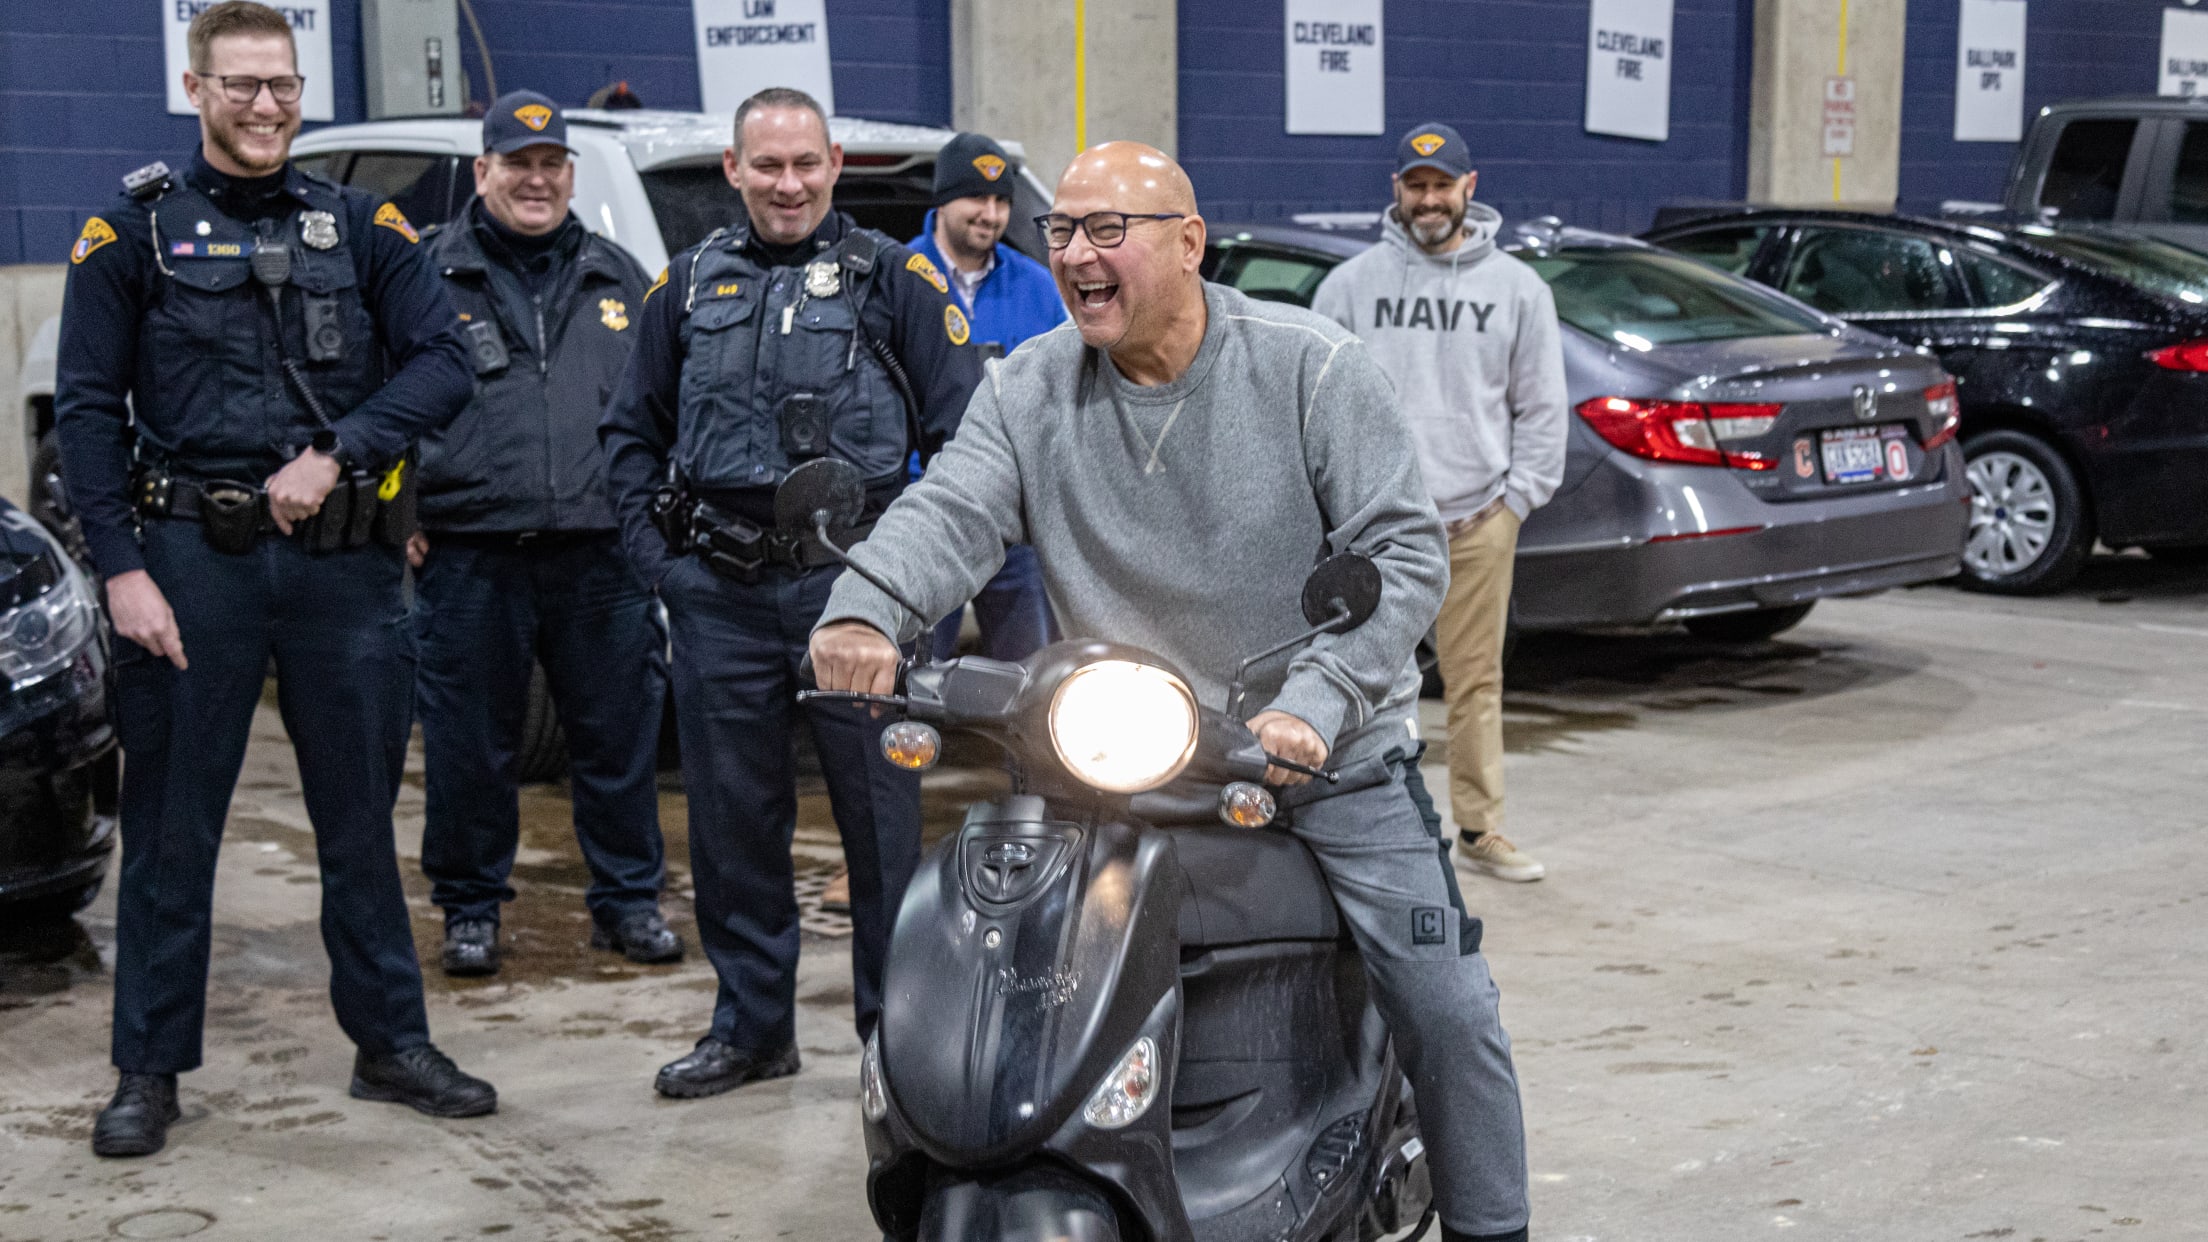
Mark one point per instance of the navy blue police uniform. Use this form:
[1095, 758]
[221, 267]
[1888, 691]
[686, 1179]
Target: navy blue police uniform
[179, 390]
[525, 568]
[750, 358]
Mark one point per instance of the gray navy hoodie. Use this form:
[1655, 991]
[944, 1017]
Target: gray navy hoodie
[1470, 340]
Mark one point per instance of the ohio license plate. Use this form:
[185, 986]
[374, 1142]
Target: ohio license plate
[1854, 454]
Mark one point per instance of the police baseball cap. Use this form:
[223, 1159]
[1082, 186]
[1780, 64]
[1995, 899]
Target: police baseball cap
[1433, 146]
[523, 119]
[970, 165]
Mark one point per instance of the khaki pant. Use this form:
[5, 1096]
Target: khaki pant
[1468, 637]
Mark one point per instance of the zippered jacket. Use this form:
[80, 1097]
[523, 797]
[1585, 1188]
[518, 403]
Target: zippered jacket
[524, 454]
[1016, 300]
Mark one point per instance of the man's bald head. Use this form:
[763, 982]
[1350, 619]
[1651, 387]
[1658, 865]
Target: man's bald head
[1139, 176]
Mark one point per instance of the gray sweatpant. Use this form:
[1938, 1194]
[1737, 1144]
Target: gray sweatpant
[1391, 880]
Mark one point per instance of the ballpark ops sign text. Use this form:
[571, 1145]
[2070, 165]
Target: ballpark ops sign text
[1629, 68]
[745, 46]
[310, 30]
[1337, 79]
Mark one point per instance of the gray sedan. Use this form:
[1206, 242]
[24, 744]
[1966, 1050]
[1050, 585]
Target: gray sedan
[1734, 455]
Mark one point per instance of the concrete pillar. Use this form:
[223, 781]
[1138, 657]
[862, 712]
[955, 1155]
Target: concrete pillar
[1013, 69]
[1800, 45]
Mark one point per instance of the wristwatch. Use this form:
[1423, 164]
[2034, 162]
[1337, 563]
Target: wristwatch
[326, 443]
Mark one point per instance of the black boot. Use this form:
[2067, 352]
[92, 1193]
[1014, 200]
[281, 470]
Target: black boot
[136, 1121]
[713, 1067]
[640, 936]
[1515, 1235]
[471, 948]
[424, 1080]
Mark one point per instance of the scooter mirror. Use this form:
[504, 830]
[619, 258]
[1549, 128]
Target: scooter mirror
[1348, 581]
[823, 485]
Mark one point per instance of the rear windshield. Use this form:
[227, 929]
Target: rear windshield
[1641, 298]
[2156, 266]
[690, 201]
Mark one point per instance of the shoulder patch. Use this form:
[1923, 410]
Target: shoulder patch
[97, 233]
[390, 217]
[657, 285]
[954, 325]
[919, 265]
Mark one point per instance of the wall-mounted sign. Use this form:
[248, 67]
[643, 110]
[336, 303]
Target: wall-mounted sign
[1839, 117]
[310, 30]
[746, 46]
[1629, 68]
[1337, 73]
[2184, 52]
[1989, 71]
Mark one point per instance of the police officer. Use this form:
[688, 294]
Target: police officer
[278, 342]
[790, 334]
[519, 560]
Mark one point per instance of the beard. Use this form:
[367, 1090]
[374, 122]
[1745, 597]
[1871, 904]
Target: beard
[1434, 228]
[229, 138]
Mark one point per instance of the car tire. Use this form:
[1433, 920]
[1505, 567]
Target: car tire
[2029, 532]
[541, 755]
[49, 909]
[2173, 554]
[1748, 627]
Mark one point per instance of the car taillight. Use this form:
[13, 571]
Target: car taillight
[2183, 356]
[1682, 431]
[1940, 403]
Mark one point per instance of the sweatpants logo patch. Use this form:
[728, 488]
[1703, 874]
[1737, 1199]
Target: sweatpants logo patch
[1429, 925]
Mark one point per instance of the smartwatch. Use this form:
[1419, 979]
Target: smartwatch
[326, 443]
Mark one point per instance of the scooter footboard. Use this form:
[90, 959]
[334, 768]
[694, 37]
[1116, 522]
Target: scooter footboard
[1036, 1203]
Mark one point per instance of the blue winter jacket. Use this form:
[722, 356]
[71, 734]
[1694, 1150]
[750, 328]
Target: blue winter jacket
[1017, 300]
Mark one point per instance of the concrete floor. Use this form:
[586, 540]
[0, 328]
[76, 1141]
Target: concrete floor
[1892, 928]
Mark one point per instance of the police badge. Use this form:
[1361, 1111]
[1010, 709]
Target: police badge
[821, 280]
[318, 229]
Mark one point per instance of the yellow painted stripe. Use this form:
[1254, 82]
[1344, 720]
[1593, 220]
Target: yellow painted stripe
[1080, 75]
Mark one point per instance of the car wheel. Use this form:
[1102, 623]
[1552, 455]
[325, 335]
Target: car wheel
[542, 753]
[2170, 554]
[1748, 627]
[2029, 534]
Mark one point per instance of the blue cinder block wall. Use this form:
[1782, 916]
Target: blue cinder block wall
[82, 85]
[2073, 49]
[1511, 75]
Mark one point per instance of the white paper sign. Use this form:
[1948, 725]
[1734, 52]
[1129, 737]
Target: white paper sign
[1629, 68]
[1989, 71]
[2184, 52]
[746, 46]
[1337, 75]
[310, 29]
[1839, 117]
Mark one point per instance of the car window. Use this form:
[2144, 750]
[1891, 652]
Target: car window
[2189, 181]
[1272, 275]
[691, 200]
[1862, 271]
[2156, 266]
[1728, 249]
[1642, 298]
[329, 165]
[2086, 171]
[1994, 283]
[419, 184]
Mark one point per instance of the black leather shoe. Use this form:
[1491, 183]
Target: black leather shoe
[713, 1067]
[471, 948]
[424, 1080]
[642, 936]
[136, 1121]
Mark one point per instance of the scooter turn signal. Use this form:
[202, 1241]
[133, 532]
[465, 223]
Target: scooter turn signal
[1243, 804]
[912, 745]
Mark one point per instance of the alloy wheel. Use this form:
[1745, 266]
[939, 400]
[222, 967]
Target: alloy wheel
[2012, 514]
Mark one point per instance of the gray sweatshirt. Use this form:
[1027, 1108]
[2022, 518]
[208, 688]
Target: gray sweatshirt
[1182, 518]
[1470, 339]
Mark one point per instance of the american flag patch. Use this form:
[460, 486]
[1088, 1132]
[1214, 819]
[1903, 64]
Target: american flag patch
[181, 248]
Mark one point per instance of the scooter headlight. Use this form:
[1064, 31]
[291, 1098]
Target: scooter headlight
[873, 1097]
[1126, 1092]
[1123, 727]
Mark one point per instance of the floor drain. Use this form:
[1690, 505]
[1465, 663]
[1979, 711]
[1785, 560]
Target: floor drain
[162, 1223]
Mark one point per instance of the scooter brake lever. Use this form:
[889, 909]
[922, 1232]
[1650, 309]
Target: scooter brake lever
[851, 696]
[1330, 775]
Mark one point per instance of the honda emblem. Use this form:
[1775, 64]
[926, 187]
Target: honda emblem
[1866, 402]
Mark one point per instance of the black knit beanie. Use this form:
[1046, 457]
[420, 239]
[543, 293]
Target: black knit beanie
[971, 164]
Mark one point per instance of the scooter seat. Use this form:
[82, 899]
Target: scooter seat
[1246, 886]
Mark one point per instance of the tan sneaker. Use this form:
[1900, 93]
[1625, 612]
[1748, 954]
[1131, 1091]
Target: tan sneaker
[1493, 853]
[836, 898]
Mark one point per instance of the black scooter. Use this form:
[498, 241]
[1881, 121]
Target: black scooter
[1116, 1007]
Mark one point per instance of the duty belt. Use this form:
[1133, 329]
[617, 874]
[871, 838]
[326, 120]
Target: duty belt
[733, 546]
[235, 515]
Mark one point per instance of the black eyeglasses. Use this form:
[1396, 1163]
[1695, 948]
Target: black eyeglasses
[1105, 228]
[244, 88]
